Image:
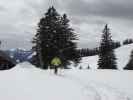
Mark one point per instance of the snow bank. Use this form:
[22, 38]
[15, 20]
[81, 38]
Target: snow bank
[123, 55]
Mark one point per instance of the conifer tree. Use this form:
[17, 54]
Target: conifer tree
[107, 59]
[54, 38]
[67, 37]
[129, 65]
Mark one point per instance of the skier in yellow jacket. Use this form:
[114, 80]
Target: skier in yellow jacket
[56, 62]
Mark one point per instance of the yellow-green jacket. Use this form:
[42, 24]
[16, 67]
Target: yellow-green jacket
[56, 61]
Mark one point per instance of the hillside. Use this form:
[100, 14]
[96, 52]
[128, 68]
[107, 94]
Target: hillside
[122, 54]
[25, 82]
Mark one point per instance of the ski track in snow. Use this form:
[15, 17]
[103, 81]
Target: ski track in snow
[87, 89]
[96, 90]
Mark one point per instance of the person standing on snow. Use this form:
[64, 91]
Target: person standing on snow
[56, 62]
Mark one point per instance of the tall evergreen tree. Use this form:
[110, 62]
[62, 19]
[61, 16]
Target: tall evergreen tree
[67, 37]
[107, 59]
[55, 38]
[129, 65]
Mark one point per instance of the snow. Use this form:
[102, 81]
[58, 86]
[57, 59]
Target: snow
[91, 61]
[30, 56]
[122, 55]
[26, 82]
[21, 83]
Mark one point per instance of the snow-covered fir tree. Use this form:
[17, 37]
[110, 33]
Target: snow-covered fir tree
[107, 59]
[55, 38]
[129, 65]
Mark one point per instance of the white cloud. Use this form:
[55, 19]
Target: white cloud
[19, 18]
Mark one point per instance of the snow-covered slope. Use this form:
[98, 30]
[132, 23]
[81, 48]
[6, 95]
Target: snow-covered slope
[122, 55]
[25, 82]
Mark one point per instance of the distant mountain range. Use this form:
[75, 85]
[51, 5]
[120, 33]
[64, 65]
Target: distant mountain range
[20, 55]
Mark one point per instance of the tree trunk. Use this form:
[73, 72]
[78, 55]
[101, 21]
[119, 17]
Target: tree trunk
[40, 56]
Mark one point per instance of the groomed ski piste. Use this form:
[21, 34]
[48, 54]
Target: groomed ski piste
[26, 82]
